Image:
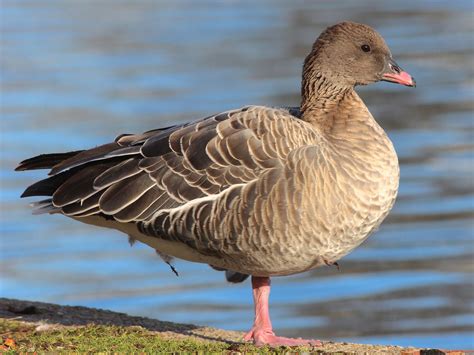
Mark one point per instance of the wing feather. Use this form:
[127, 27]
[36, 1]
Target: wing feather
[123, 193]
[181, 182]
[162, 201]
[116, 173]
[84, 157]
[196, 152]
[79, 186]
[83, 205]
[137, 208]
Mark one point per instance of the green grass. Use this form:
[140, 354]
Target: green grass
[108, 339]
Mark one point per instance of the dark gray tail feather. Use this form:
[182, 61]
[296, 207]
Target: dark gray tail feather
[45, 161]
[47, 186]
[232, 276]
[235, 277]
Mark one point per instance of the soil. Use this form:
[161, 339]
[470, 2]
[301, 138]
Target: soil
[47, 316]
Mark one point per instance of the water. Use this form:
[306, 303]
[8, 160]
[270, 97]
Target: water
[77, 73]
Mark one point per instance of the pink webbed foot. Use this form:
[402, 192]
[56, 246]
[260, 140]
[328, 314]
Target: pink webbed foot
[261, 332]
[261, 337]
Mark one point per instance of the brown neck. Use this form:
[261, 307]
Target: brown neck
[321, 99]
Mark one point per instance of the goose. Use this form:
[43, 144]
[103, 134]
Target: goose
[260, 191]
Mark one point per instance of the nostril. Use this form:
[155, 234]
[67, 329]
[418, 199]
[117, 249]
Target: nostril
[395, 68]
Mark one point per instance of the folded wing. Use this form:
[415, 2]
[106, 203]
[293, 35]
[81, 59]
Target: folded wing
[175, 183]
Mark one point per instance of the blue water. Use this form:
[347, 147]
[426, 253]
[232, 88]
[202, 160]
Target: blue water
[75, 74]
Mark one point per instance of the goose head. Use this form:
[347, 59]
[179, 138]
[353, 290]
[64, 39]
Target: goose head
[350, 54]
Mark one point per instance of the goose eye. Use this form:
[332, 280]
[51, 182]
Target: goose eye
[365, 48]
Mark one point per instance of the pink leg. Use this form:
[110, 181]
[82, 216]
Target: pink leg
[261, 332]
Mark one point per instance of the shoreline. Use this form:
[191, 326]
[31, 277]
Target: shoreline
[43, 319]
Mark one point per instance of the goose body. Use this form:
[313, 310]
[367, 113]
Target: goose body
[313, 204]
[260, 191]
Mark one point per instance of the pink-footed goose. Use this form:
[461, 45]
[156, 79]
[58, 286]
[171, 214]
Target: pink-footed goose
[258, 191]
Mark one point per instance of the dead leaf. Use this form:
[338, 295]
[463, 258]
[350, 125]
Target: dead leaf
[9, 342]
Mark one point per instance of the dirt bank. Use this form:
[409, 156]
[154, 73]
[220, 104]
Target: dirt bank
[25, 321]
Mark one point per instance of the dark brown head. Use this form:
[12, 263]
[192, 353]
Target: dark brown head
[349, 54]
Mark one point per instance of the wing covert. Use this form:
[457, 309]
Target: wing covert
[138, 175]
